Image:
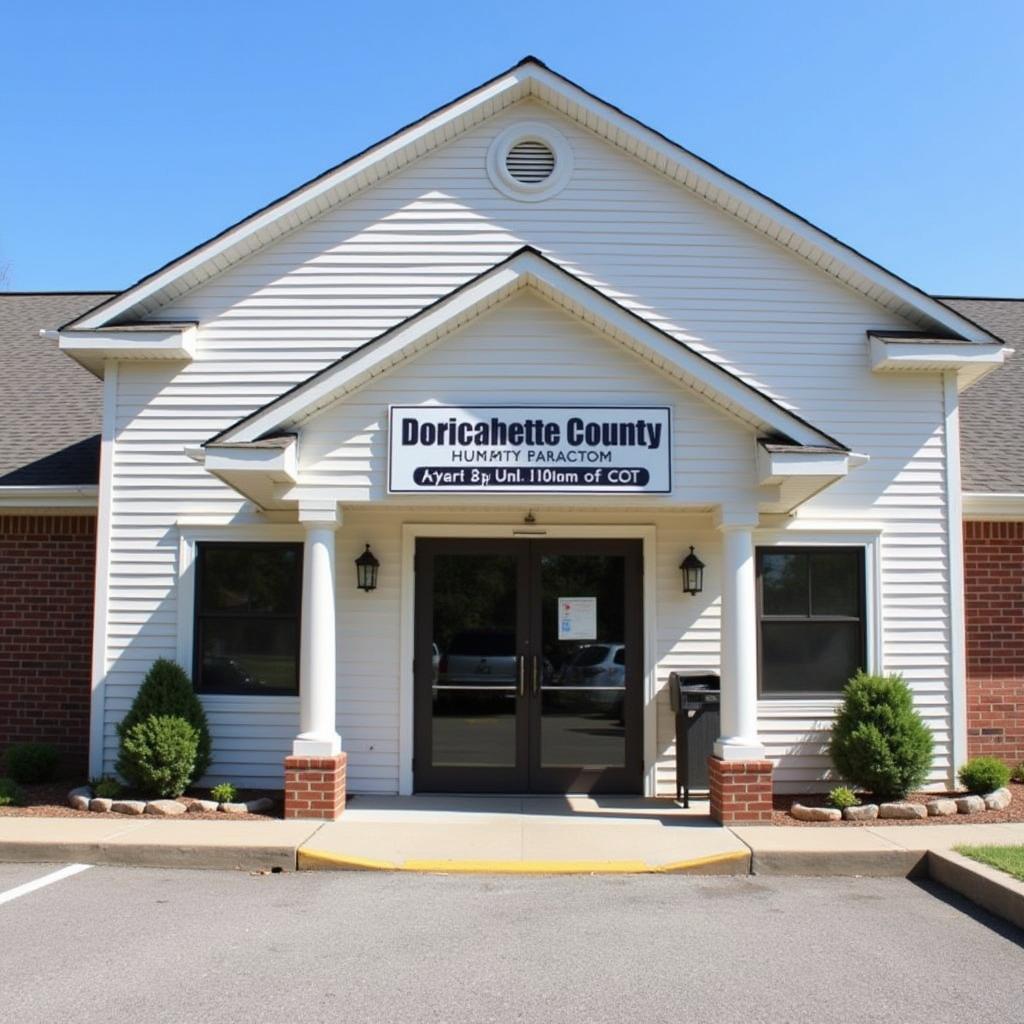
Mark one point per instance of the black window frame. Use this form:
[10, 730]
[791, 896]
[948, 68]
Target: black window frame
[199, 615]
[861, 617]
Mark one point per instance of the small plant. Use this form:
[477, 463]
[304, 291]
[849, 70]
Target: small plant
[106, 787]
[11, 794]
[1018, 773]
[167, 690]
[983, 775]
[158, 755]
[224, 793]
[31, 762]
[879, 742]
[842, 797]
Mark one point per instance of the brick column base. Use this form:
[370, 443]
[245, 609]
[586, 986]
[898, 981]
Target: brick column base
[741, 791]
[314, 787]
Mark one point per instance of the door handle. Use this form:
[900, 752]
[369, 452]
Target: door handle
[536, 682]
[521, 671]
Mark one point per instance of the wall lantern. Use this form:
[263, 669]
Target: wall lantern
[693, 573]
[366, 570]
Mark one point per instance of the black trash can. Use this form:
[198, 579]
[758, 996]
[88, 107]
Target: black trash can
[694, 697]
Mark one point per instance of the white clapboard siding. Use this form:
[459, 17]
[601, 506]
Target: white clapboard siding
[286, 311]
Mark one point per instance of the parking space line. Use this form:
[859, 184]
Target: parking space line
[54, 876]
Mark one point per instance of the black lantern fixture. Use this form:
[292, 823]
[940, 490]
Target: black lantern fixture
[693, 573]
[366, 570]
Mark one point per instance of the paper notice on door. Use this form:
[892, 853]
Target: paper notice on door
[577, 618]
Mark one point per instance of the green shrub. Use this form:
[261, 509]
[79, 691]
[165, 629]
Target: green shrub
[843, 797]
[31, 762]
[1018, 773]
[983, 775]
[879, 742]
[224, 793]
[106, 787]
[167, 690]
[11, 794]
[158, 755]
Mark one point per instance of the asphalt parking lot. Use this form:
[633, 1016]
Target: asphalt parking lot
[123, 944]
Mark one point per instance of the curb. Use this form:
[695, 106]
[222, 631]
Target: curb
[894, 863]
[735, 863]
[987, 887]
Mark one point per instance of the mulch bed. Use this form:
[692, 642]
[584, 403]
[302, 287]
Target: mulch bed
[783, 802]
[49, 800]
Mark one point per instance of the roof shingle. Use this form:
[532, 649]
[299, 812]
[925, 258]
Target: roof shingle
[50, 408]
[992, 411]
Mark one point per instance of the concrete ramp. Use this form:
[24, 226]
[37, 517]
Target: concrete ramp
[524, 835]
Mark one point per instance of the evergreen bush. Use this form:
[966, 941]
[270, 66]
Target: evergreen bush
[983, 775]
[31, 762]
[11, 794]
[167, 690]
[879, 742]
[842, 797]
[158, 755]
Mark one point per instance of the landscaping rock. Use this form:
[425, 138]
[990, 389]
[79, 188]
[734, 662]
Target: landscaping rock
[128, 806]
[863, 812]
[100, 804]
[260, 806]
[998, 800]
[902, 809]
[803, 813]
[79, 798]
[202, 806]
[941, 808]
[970, 804]
[165, 808]
[233, 809]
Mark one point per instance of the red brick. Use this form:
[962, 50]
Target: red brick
[46, 600]
[740, 790]
[314, 787]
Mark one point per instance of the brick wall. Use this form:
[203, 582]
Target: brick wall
[46, 597]
[994, 607]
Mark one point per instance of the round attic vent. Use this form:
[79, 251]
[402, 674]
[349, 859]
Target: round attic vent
[530, 161]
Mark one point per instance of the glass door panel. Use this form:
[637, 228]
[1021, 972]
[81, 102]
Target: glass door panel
[469, 662]
[584, 716]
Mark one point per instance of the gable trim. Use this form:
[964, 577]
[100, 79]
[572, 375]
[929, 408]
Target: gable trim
[530, 77]
[526, 266]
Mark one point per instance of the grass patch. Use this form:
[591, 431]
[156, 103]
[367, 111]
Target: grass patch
[1007, 858]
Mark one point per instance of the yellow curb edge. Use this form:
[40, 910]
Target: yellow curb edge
[308, 859]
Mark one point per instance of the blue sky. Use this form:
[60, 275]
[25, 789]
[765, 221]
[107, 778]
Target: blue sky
[133, 131]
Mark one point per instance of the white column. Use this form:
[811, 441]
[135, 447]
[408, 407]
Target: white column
[317, 678]
[739, 740]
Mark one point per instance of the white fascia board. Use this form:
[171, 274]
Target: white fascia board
[984, 505]
[774, 467]
[278, 464]
[302, 197]
[970, 360]
[648, 145]
[49, 497]
[93, 348]
[672, 153]
[715, 383]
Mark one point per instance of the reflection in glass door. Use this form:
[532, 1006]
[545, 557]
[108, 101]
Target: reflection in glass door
[528, 666]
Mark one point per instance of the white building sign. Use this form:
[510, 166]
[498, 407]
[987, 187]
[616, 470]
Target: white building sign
[534, 449]
[577, 618]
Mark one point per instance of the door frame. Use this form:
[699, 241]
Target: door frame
[411, 532]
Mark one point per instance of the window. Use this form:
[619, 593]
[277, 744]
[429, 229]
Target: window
[248, 599]
[811, 619]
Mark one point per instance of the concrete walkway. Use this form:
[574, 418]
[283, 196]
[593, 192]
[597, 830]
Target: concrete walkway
[519, 835]
[550, 835]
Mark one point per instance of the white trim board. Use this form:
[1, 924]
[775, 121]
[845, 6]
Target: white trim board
[531, 78]
[412, 531]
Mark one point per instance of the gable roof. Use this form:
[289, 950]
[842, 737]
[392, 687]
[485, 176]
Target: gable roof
[530, 78]
[50, 408]
[992, 411]
[526, 267]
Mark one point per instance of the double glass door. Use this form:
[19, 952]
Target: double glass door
[528, 666]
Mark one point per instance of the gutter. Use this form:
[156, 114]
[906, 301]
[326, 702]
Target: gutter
[993, 505]
[49, 496]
